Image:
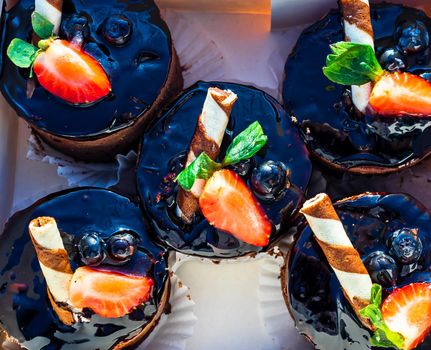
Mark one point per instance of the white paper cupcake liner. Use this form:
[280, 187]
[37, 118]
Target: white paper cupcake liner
[276, 318]
[174, 328]
[200, 59]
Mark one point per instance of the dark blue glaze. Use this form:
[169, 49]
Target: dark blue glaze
[329, 125]
[25, 310]
[319, 307]
[137, 70]
[163, 152]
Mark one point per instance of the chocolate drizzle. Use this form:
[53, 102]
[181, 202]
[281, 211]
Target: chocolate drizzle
[328, 122]
[164, 149]
[26, 313]
[318, 305]
[137, 70]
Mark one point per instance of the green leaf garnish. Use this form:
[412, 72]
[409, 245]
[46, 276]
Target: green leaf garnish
[246, 144]
[201, 168]
[41, 26]
[21, 53]
[352, 64]
[383, 336]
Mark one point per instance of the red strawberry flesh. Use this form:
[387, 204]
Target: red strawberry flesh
[408, 311]
[401, 94]
[108, 294]
[69, 73]
[228, 204]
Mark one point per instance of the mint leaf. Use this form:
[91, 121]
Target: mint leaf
[201, 168]
[376, 295]
[21, 53]
[246, 144]
[41, 26]
[352, 64]
[383, 335]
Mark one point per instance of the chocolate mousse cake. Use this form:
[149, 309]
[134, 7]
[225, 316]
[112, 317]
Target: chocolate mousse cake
[78, 269]
[87, 76]
[382, 123]
[223, 173]
[358, 275]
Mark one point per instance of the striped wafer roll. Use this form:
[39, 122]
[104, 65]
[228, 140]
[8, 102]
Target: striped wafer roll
[338, 249]
[51, 10]
[54, 263]
[358, 29]
[207, 138]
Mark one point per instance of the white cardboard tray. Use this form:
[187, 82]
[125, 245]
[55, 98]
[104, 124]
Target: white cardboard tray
[226, 295]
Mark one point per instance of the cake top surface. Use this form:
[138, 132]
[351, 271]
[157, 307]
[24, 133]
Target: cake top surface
[128, 39]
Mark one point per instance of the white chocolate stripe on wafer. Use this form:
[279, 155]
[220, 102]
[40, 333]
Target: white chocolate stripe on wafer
[338, 249]
[207, 138]
[51, 10]
[358, 29]
[52, 256]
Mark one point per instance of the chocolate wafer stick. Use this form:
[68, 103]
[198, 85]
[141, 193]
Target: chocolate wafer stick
[54, 263]
[339, 251]
[207, 138]
[358, 29]
[51, 10]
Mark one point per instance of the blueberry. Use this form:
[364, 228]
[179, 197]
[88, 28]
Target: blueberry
[405, 246]
[392, 60]
[121, 246]
[117, 30]
[382, 269]
[413, 37]
[269, 179]
[91, 249]
[244, 168]
[75, 25]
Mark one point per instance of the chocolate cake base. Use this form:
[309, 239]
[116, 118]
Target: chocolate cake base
[334, 131]
[313, 293]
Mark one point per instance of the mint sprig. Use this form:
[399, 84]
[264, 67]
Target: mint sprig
[383, 336]
[244, 146]
[22, 53]
[352, 64]
[41, 26]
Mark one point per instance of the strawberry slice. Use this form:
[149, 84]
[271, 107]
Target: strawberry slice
[66, 71]
[408, 311]
[401, 94]
[108, 294]
[227, 204]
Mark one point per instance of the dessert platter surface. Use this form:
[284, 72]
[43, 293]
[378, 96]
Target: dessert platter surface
[231, 277]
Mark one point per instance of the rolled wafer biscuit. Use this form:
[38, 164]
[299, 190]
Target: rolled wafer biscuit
[207, 138]
[51, 10]
[358, 29]
[338, 249]
[54, 263]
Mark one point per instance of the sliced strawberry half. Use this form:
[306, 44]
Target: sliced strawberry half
[401, 94]
[66, 71]
[408, 311]
[108, 294]
[227, 204]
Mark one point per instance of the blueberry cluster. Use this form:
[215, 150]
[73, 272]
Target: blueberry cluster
[411, 38]
[117, 249]
[404, 251]
[115, 30]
